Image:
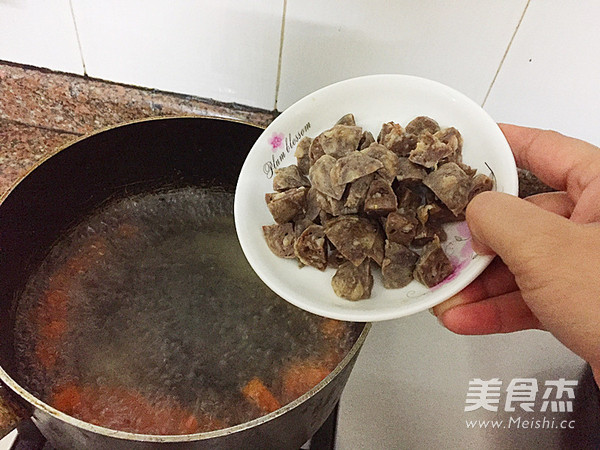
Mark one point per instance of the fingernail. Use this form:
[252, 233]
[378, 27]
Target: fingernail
[440, 321]
[439, 310]
[438, 317]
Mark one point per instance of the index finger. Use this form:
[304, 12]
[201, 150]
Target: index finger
[562, 162]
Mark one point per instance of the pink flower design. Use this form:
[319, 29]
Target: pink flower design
[457, 270]
[276, 140]
[461, 256]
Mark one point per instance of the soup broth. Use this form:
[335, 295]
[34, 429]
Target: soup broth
[147, 318]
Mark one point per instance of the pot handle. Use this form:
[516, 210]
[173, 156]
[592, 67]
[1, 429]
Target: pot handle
[12, 412]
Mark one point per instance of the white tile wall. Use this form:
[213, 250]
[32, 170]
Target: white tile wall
[226, 50]
[459, 43]
[39, 33]
[551, 75]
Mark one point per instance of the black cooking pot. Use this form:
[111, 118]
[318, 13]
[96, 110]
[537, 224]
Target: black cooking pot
[128, 160]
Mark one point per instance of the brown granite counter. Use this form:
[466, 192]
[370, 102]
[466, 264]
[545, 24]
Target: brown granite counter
[41, 111]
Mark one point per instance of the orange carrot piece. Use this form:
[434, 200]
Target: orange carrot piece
[333, 329]
[301, 377]
[54, 330]
[205, 423]
[67, 398]
[56, 299]
[59, 280]
[260, 395]
[46, 354]
[125, 409]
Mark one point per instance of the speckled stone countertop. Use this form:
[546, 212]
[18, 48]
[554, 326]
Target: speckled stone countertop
[41, 111]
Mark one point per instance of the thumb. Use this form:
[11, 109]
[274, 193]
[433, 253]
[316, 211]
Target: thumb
[555, 262]
[516, 230]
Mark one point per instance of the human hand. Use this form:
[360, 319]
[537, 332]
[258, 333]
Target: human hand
[547, 273]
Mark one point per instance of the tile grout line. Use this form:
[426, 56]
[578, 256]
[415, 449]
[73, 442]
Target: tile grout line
[278, 80]
[78, 39]
[512, 38]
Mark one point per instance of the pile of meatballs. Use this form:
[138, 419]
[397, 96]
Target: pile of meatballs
[363, 205]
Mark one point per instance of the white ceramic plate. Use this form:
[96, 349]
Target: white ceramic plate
[373, 100]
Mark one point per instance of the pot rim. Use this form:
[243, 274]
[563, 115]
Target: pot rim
[125, 435]
[90, 134]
